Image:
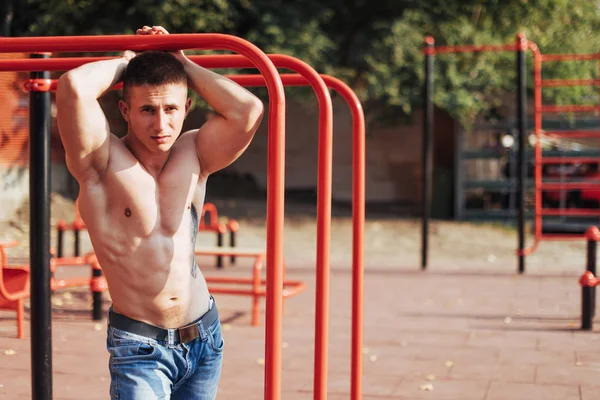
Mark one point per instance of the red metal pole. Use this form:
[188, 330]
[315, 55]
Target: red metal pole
[358, 229]
[537, 112]
[276, 150]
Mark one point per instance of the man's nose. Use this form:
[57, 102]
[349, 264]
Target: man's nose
[160, 120]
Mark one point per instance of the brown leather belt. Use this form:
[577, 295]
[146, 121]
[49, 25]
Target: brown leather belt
[185, 334]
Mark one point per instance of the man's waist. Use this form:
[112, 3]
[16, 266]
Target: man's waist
[184, 334]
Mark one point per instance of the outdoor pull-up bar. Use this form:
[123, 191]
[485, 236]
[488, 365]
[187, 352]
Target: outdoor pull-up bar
[358, 196]
[41, 351]
[430, 50]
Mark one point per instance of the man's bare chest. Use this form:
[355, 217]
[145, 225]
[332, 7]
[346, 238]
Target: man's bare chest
[143, 205]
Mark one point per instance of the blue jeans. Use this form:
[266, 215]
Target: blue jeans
[145, 368]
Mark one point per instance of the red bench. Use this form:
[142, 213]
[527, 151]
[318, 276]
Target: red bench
[14, 280]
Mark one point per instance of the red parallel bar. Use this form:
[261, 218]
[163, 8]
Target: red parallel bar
[570, 185]
[358, 186]
[569, 57]
[591, 212]
[569, 82]
[572, 134]
[473, 48]
[564, 160]
[358, 213]
[569, 108]
[358, 228]
[324, 183]
[291, 286]
[276, 148]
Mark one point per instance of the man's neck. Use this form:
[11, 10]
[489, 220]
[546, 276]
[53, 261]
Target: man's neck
[154, 163]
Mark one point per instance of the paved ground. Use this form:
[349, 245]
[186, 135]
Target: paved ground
[467, 328]
[440, 334]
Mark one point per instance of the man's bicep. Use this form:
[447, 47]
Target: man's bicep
[84, 132]
[219, 144]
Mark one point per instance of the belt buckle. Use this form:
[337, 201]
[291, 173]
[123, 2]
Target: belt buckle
[189, 333]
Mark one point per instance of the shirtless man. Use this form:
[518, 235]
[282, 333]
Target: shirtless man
[164, 334]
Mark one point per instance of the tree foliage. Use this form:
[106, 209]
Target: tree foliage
[375, 46]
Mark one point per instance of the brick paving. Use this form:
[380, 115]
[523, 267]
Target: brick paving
[441, 334]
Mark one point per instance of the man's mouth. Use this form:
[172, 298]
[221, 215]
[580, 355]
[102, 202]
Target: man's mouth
[160, 138]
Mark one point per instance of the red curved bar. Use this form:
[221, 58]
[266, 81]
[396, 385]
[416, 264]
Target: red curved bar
[358, 228]
[276, 149]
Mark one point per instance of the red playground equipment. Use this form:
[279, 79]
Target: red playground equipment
[588, 186]
[250, 57]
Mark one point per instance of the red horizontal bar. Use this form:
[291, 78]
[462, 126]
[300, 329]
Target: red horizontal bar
[67, 63]
[569, 108]
[572, 134]
[569, 57]
[71, 282]
[568, 160]
[591, 212]
[569, 82]
[570, 185]
[105, 43]
[473, 48]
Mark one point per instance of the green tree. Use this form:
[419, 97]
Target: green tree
[374, 46]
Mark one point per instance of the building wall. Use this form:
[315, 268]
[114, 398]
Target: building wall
[393, 156]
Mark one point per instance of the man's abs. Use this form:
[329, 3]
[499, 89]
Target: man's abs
[147, 255]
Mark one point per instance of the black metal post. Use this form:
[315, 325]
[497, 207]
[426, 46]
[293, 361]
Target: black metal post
[588, 294]
[219, 244]
[39, 240]
[76, 237]
[232, 244]
[96, 295]
[427, 159]
[60, 233]
[522, 127]
[6, 16]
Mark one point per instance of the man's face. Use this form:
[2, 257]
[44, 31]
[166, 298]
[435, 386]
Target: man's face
[155, 114]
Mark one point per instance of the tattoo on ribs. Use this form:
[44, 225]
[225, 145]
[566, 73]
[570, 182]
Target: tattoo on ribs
[194, 235]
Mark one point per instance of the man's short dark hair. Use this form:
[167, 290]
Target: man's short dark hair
[154, 68]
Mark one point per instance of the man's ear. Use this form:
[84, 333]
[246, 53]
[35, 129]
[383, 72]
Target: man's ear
[124, 110]
[188, 106]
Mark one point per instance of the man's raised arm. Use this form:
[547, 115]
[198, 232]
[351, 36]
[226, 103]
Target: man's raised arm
[82, 125]
[223, 138]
